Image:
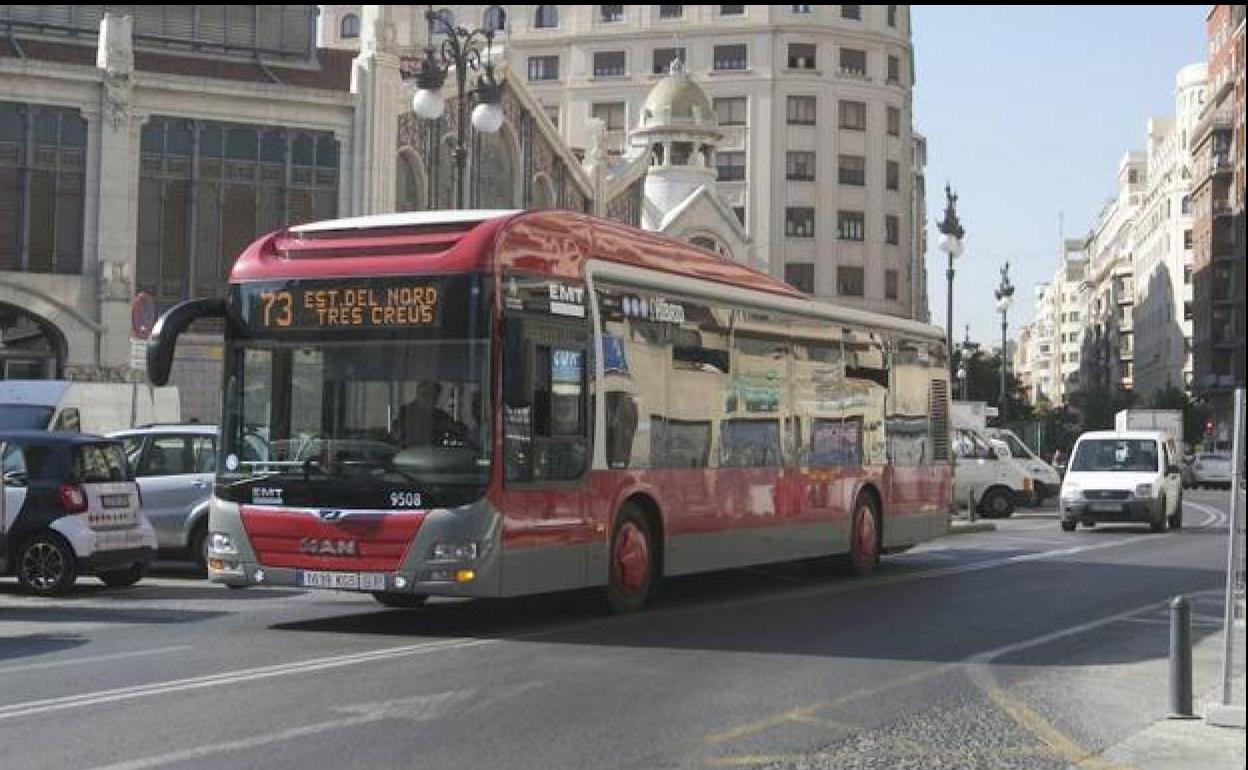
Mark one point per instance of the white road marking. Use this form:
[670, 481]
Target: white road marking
[95, 658]
[421, 708]
[1216, 516]
[31, 708]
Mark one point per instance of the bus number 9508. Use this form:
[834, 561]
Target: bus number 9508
[404, 499]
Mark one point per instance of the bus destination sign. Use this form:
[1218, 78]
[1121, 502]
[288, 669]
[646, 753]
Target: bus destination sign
[366, 304]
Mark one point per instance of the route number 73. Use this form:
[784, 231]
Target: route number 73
[281, 302]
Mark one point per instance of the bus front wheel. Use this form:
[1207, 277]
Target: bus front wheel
[632, 562]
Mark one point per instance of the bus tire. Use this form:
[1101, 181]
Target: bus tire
[864, 544]
[46, 565]
[400, 601]
[630, 576]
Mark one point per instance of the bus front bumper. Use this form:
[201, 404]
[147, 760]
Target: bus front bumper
[232, 560]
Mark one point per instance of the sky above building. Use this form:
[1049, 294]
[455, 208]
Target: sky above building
[1027, 111]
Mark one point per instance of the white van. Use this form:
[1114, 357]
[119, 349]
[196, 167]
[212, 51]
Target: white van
[988, 474]
[1123, 476]
[88, 407]
[1044, 477]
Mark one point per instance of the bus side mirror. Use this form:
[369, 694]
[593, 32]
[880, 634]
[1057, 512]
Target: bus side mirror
[517, 364]
[173, 322]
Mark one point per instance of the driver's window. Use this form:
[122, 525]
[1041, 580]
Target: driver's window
[548, 440]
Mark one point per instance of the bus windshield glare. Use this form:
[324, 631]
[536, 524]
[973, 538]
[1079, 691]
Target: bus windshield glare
[379, 418]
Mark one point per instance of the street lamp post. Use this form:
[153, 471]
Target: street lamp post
[1005, 297]
[951, 234]
[460, 50]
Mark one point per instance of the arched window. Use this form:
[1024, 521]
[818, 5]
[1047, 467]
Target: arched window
[494, 19]
[446, 173]
[350, 27]
[33, 349]
[498, 171]
[409, 184]
[546, 17]
[543, 192]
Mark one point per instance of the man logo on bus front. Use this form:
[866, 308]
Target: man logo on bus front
[330, 514]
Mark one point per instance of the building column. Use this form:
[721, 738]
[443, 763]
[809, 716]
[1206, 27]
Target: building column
[375, 81]
[115, 192]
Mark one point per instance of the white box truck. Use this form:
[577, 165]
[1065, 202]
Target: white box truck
[1168, 422]
[89, 407]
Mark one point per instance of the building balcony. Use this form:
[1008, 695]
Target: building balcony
[1220, 163]
[1221, 209]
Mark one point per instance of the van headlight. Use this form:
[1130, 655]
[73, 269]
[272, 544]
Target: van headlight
[1072, 492]
[1144, 491]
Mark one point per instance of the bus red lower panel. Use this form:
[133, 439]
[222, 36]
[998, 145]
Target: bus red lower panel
[298, 538]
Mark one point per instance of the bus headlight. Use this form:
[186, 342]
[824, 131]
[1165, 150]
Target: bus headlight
[454, 551]
[1072, 493]
[1144, 491]
[222, 544]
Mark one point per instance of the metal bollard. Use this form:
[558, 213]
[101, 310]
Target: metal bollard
[1180, 658]
[970, 504]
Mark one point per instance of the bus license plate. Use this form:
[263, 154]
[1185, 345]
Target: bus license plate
[344, 581]
[1105, 507]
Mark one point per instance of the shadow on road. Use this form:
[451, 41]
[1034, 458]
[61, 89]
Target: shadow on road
[29, 645]
[800, 610]
[68, 612]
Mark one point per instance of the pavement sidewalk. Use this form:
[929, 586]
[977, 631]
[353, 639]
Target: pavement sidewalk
[1188, 744]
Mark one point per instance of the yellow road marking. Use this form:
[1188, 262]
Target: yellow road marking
[754, 761]
[1044, 730]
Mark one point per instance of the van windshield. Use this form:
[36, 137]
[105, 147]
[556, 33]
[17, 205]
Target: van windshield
[1116, 455]
[1016, 447]
[24, 417]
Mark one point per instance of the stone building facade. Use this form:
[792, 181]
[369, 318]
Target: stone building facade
[140, 153]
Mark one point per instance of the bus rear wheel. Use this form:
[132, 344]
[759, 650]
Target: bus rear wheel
[864, 546]
[632, 562]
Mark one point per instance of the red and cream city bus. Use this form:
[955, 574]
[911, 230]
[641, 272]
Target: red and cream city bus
[491, 403]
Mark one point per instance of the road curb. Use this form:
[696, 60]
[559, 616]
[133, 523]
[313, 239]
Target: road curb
[970, 527]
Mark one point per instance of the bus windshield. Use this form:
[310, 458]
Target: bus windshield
[359, 423]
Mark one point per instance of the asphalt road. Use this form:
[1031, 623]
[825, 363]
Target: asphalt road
[1025, 647]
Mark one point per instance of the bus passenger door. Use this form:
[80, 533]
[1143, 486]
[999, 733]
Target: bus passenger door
[547, 535]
